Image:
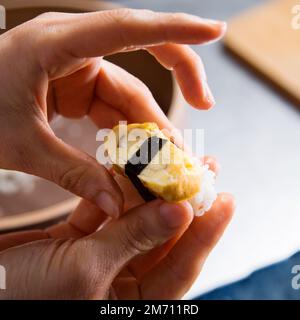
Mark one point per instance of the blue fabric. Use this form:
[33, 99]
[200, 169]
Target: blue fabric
[273, 283]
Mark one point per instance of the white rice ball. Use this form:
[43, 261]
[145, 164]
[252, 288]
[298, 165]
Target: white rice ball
[204, 199]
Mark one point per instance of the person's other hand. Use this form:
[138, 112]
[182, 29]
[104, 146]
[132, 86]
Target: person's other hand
[53, 64]
[154, 251]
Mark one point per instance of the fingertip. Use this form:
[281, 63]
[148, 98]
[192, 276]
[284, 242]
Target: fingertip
[212, 163]
[109, 203]
[189, 212]
[209, 33]
[216, 31]
[110, 199]
[223, 28]
[175, 215]
[228, 204]
[221, 211]
[202, 104]
[204, 100]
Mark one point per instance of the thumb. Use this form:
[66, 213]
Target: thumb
[75, 171]
[138, 231]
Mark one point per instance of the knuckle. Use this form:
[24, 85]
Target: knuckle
[21, 32]
[45, 22]
[125, 18]
[120, 15]
[143, 13]
[119, 18]
[124, 15]
[36, 25]
[83, 251]
[135, 237]
[48, 15]
[175, 16]
[34, 39]
[73, 178]
[95, 273]
[46, 30]
[80, 277]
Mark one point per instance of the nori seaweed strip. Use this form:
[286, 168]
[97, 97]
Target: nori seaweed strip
[139, 161]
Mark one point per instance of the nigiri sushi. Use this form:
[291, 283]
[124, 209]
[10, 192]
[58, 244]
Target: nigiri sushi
[158, 168]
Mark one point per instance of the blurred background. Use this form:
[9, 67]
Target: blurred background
[253, 131]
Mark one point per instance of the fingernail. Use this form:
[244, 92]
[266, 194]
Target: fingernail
[108, 204]
[175, 215]
[223, 25]
[218, 23]
[220, 27]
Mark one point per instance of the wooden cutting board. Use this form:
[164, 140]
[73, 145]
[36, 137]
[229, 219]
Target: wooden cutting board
[268, 38]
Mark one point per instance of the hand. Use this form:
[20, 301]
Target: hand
[154, 251]
[53, 64]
